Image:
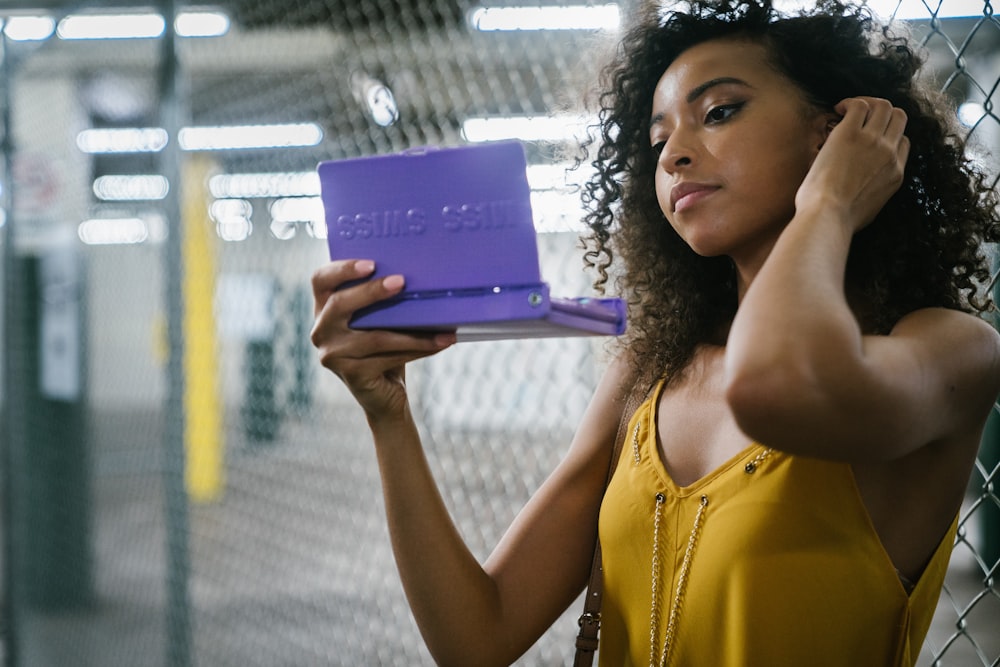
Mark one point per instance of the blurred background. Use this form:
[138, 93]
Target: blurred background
[181, 483]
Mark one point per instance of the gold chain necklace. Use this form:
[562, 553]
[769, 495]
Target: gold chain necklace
[682, 578]
[675, 607]
[751, 467]
[635, 443]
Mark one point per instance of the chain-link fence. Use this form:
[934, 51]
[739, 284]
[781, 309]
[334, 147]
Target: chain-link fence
[181, 485]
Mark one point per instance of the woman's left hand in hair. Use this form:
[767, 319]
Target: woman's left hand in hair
[860, 165]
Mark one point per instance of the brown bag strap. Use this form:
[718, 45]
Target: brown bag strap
[590, 620]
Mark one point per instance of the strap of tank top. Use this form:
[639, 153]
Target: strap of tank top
[590, 619]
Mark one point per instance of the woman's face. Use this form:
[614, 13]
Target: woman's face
[734, 140]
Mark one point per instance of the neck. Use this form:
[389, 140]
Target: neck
[748, 264]
[745, 273]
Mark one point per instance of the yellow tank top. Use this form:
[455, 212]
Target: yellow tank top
[771, 560]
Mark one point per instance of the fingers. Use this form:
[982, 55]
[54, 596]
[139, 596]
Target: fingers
[380, 349]
[362, 358]
[333, 275]
[371, 363]
[331, 333]
[903, 151]
[349, 352]
[347, 364]
[861, 163]
[335, 298]
[877, 126]
[343, 303]
[873, 115]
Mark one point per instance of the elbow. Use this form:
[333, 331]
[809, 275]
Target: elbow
[767, 404]
[470, 644]
[479, 656]
[790, 409]
[750, 408]
[465, 661]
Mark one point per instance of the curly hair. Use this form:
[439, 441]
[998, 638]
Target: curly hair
[925, 248]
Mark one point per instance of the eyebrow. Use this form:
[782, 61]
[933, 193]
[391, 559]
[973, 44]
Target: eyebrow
[701, 89]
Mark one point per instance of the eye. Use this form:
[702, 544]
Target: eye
[723, 112]
[658, 147]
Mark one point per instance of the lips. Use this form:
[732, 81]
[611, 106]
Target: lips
[686, 193]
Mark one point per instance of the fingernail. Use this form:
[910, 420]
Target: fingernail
[445, 339]
[393, 282]
[364, 266]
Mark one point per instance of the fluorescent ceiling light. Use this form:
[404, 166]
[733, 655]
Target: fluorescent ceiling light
[122, 140]
[237, 229]
[555, 198]
[555, 211]
[232, 219]
[113, 231]
[903, 10]
[222, 210]
[572, 17]
[265, 185]
[525, 128]
[289, 213]
[970, 113]
[153, 139]
[915, 10]
[131, 187]
[111, 26]
[317, 230]
[201, 24]
[250, 136]
[29, 28]
[298, 209]
[115, 26]
[283, 231]
[560, 176]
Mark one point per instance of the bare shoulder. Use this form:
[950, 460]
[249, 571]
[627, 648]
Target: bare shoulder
[960, 354]
[619, 375]
[597, 429]
[964, 350]
[948, 320]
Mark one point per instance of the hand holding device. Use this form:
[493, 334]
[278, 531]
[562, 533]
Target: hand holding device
[371, 363]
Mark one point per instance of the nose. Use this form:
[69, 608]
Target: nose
[678, 152]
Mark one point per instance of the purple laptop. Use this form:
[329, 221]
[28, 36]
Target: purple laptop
[456, 222]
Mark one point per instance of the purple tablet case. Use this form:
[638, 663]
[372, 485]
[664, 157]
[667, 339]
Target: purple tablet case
[456, 222]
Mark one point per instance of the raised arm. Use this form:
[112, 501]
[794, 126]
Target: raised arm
[468, 614]
[801, 376]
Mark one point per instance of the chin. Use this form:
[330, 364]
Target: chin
[707, 247]
[703, 238]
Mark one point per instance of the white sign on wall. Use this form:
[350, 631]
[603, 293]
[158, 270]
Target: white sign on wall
[244, 306]
[59, 326]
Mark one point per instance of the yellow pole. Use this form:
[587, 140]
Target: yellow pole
[203, 433]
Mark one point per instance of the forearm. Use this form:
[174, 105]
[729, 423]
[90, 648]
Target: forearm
[795, 337]
[798, 367]
[796, 308]
[795, 316]
[452, 598]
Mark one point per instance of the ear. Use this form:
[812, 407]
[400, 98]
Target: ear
[823, 124]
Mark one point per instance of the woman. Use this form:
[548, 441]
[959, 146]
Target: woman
[800, 237]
